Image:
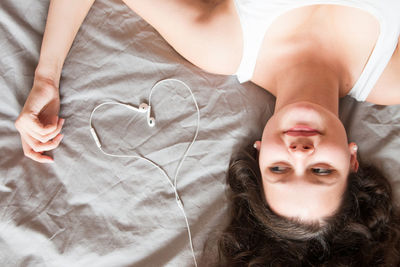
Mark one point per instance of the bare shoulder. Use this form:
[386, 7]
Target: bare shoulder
[387, 89]
[205, 32]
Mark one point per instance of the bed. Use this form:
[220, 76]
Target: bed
[88, 209]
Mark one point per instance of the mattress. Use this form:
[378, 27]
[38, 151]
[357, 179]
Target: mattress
[89, 209]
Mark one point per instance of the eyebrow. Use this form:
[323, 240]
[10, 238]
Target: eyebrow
[316, 163]
[315, 179]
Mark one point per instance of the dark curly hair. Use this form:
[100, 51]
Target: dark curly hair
[365, 231]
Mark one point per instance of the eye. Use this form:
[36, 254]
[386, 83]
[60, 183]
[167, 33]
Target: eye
[321, 171]
[279, 169]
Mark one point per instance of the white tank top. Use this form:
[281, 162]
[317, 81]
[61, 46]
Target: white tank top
[257, 15]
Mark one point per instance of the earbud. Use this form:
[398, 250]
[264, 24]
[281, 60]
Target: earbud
[150, 120]
[143, 107]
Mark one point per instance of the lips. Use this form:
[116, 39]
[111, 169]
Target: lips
[301, 130]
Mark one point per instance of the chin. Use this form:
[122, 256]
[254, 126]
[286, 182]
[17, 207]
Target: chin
[307, 106]
[303, 113]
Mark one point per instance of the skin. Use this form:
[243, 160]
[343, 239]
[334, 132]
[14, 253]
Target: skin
[38, 123]
[293, 37]
[305, 66]
[305, 176]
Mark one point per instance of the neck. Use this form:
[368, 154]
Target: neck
[308, 81]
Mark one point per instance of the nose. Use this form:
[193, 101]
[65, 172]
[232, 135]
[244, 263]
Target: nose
[301, 147]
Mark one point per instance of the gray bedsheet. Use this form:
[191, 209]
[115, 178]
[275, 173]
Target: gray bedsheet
[88, 209]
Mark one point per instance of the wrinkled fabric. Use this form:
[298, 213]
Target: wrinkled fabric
[88, 209]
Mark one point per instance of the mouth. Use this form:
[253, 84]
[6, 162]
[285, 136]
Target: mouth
[301, 130]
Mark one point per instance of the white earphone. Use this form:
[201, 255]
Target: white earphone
[143, 108]
[146, 108]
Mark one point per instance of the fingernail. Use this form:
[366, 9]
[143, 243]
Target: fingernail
[62, 121]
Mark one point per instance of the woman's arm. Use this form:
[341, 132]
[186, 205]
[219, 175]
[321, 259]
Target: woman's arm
[205, 32]
[63, 22]
[38, 123]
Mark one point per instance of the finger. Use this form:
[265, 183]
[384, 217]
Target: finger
[36, 156]
[48, 127]
[46, 138]
[32, 123]
[52, 135]
[41, 147]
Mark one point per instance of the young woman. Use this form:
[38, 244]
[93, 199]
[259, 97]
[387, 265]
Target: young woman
[306, 202]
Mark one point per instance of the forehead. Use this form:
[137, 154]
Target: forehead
[304, 200]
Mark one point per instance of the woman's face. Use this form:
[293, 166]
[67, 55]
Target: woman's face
[304, 160]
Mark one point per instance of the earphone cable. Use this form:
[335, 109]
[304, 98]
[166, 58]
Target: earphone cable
[198, 120]
[173, 185]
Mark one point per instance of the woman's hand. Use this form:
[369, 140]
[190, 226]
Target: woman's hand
[38, 123]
